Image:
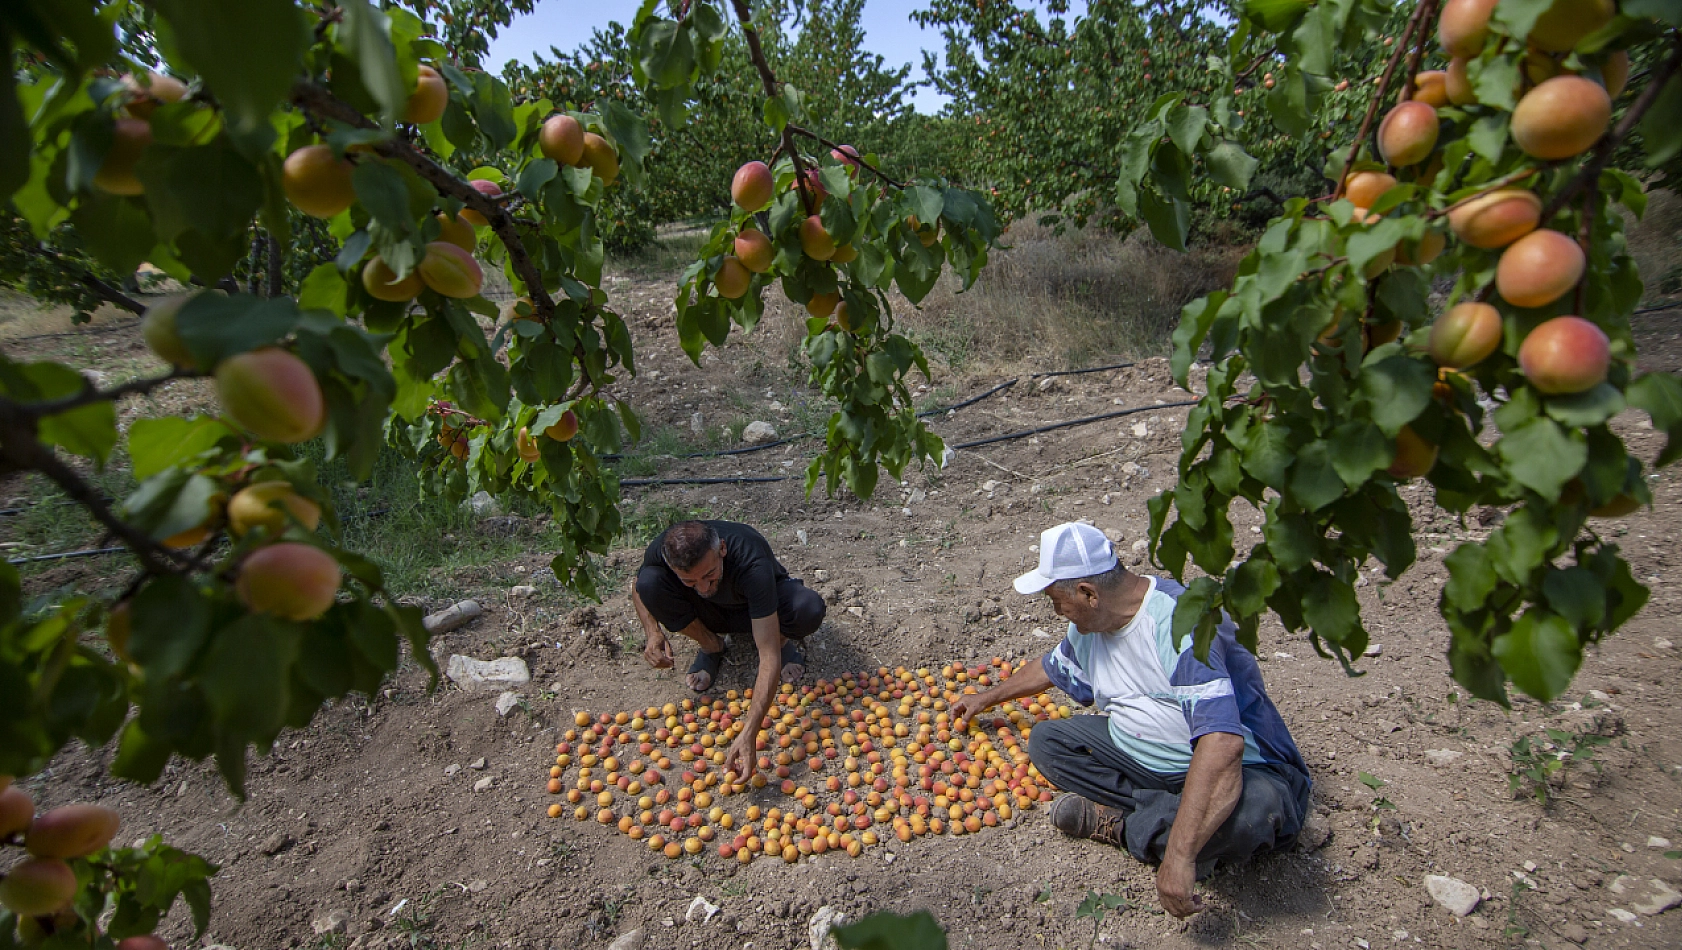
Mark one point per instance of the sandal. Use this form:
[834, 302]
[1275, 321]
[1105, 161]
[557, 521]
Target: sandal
[791, 655]
[708, 663]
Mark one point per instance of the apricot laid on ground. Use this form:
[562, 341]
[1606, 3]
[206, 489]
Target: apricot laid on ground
[267, 505]
[1564, 24]
[1364, 188]
[1457, 84]
[562, 139]
[815, 241]
[145, 95]
[272, 394]
[489, 189]
[822, 305]
[732, 279]
[1565, 355]
[129, 138]
[17, 810]
[1539, 268]
[317, 182]
[1414, 455]
[290, 580]
[1561, 117]
[451, 271]
[1465, 335]
[38, 887]
[72, 831]
[457, 231]
[1496, 219]
[1431, 88]
[563, 430]
[752, 187]
[1408, 133]
[142, 942]
[602, 159]
[1463, 26]
[754, 250]
[162, 337]
[382, 284]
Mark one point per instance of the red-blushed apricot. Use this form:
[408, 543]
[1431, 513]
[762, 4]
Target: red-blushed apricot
[845, 254]
[754, 250]
[526, 446]
[1408, 133]
[1539, 268]
[752, 187]
[1565, 355]
[1564, 24]
[822, 305]
[451, 271]
[272, 394]
[290, 580]
[1414, 456]
[1364, 188]
[457, 231]
[382, 284]
[1465, 335]
[815, 241]
[845, 154]
[562, 139]
[1562, 117]
[563, 430]
[1457, 84]
[1463, 26]
[129, 139]
[1615, 72]
[267, 505]
[17, 810]
[732, 279]
[1431, 88]
[142, 942]
[38, 887]
[430, 98]
[1496, 219]
[814, 187]
[145, 95]
[602, 159]
[71, 831]
[158, 329]
[317, 182]
[489, 189]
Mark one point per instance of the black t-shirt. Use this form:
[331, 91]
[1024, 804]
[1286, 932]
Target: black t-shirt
[751, 571]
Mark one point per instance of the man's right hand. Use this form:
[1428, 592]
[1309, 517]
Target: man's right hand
[969, 705]
[658, 651]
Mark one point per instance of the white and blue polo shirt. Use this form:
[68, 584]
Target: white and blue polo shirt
[1160, 699]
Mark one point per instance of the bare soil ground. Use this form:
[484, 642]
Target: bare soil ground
[373, 811]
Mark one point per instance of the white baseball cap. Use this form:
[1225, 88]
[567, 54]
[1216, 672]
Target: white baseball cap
[1067, 552]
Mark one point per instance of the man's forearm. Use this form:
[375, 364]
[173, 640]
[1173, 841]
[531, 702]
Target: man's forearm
[1026, 681]
[650, 627]
[1214, 782]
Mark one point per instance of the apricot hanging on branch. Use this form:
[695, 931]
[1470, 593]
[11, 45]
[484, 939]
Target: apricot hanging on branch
[272, 394]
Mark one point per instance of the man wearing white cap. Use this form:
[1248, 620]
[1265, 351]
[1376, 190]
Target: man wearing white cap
[1190, 764]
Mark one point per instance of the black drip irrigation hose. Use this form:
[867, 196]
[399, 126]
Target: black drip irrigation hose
[1073, 422]
[639, 482]
[65, 555]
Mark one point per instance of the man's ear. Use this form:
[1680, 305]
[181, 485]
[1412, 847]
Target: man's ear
[723, 550]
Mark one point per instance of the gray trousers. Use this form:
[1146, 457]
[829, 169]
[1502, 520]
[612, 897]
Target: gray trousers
[1080, 757]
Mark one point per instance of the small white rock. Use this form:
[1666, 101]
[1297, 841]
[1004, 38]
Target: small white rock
[1618, 913]
[702, 908]
[629, 941]
[1453, 894]
[1442, 758]
[758, 432]
[484, 784]
[521, 591]
[817, 929]
[1373, 649]
[506, 702]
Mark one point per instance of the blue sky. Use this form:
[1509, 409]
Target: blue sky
[889, 31]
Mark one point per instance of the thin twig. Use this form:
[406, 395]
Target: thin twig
[1608, 144]
[852, 159]
[1255, 64]
[769, 81]
[1494, 186]
[90, 394]
[1378, 97]
[1430, 7]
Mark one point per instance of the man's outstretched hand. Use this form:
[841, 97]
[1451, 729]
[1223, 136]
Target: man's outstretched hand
[658, 652]
[740, 758]
[968, 706]
[1176, 882]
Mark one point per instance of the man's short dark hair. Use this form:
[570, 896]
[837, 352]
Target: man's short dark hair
[687, 542]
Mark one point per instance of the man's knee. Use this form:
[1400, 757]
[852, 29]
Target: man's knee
[649, 583]
[802, 612]
[1050, 745]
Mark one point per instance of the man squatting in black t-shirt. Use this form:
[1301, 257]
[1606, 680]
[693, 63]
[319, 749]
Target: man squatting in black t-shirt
[706, 578]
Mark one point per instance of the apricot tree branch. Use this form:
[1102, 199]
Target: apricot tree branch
[1493, 186]
[90, 395]
[854, 159]
[1591, 169]
[1430, 8]
[769, 80]
[1378, 96]
[317, 100]
[100, 288]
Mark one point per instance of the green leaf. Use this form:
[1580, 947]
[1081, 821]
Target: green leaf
[1591, 408]
[1542, 456]
[1268, 451]
[629, 132]
[1471, 577]
[1185, 127]
[381, 190]
[1169, 219]
[1371, 781]
[161, 443]
[1521, 544]
[1488, 136]
[1660, 396]
[885, 931]
[1576, 594]
[1398, 389]
[1333, 612]
[214, 327]
[1663, 10]
[1197, 614]
[245, 675]
[169, 619]
[1248, 585]
[1540, 653]
[1661, 127]
[1314, 480]
[117, 231]
[248, 78]
[363, 32]
[1276, 16]
[1494, 80]
[324, 289]
[1357, 450]
[89, 430]
[1231, 166]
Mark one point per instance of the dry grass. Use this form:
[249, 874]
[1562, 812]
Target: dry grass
[1052, 301]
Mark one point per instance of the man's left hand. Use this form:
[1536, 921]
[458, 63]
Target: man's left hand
[740, 757]
[1176, 881]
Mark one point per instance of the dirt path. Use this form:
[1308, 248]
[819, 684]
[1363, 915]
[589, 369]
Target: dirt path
[373, 812]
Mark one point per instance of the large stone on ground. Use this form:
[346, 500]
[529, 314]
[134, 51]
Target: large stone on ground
[1455, 895]
[500, 674]
[757, 433]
